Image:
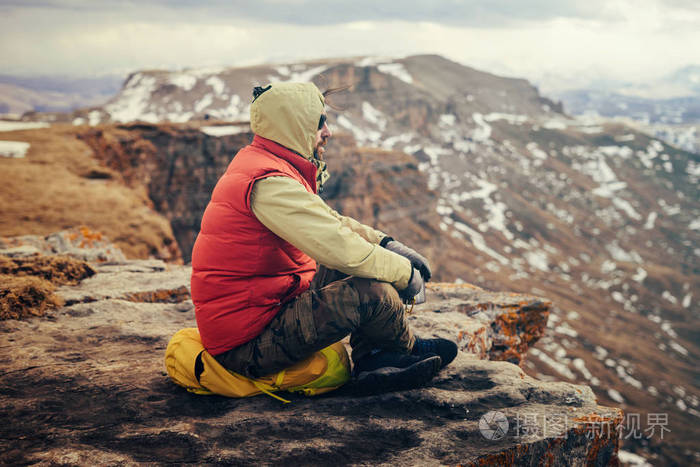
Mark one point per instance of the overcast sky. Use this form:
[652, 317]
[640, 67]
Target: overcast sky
[576, 40]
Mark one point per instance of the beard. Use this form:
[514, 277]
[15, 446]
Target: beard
[319, 150]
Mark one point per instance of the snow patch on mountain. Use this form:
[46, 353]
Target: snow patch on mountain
[693, 171]
[484, 191]
[624, 138]
[621, 255]
[510, 118]
[591, 130]
[447, 120]
[14, 126]
[616, 396]
[372, 61]
[374, 116]
[560, 368]
[651, 220]
[184, 80]
[235, 110]
[537, 259]
[133, 102]
[483, 131]
[205, 71]
[678, 348]
[392, 141]
[687, 300]
[301, 75]
[479, 243]
[216, 84]
[536, 151]
[625, 206]
[397, 70]
[640, 275]
[669, 296]
[224, 130]
[13, 149]
[554, 125]
[363, 136]
[631, 459]
[203, 103]
[283, 70]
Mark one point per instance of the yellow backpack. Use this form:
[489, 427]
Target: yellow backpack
[192, 367]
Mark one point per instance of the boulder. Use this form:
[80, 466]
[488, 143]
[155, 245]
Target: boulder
[492, 325]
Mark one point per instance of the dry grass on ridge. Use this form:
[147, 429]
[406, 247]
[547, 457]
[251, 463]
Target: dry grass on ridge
[59, 185]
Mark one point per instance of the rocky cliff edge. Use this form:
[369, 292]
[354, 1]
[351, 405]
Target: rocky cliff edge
[85, 384]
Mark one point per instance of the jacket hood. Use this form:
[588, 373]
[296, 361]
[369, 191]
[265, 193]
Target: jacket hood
[288, 114]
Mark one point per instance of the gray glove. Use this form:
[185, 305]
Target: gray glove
[417, 260]
[415, 286]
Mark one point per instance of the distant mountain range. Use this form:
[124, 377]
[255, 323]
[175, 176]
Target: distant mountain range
[676, 110]
[20, 94]
[668, 108]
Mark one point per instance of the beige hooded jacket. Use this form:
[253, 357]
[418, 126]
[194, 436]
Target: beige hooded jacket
[288, 113]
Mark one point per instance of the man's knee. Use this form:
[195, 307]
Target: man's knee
[372, 292]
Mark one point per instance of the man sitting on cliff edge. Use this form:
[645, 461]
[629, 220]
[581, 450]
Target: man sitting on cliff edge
[261, 302]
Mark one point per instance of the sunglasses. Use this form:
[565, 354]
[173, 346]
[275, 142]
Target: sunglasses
[322, 121]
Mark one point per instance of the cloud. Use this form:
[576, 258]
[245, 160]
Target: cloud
[93, 47]
[691, 5]
[472, 13]
[458, 13]
[626, 39]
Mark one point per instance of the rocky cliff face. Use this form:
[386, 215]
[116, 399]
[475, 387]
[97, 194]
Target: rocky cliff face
[86, 385]
[177, 166]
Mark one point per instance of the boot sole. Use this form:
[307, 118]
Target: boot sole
[390, 379]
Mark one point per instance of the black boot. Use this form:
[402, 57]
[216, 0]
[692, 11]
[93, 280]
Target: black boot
[393, 371]
[446, 349]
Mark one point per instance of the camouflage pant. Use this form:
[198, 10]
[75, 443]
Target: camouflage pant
[334, 306]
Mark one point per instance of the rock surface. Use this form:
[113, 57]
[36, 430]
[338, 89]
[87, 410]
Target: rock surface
[80, 243]
[86, 385]
[500, 326]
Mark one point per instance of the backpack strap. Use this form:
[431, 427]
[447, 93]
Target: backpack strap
[267, 390]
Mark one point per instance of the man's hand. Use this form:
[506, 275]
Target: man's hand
[415, 285]
[418, 261]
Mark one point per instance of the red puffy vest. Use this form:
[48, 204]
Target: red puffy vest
[242, 272]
